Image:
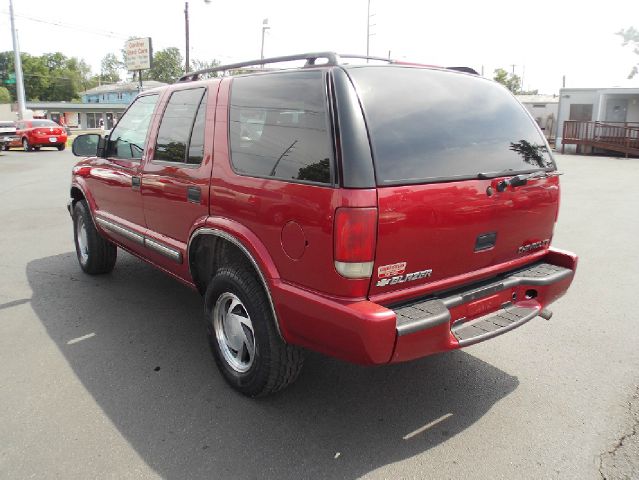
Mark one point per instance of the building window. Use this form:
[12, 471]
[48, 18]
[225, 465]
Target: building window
[91, 120]
[581, 112]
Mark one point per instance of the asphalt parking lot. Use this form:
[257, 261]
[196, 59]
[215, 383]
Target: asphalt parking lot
[111, 377]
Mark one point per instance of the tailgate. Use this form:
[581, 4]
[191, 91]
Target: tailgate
[428, 233]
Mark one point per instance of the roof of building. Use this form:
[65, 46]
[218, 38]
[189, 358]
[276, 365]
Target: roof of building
[626, 88]
[76, 107]
[538, 98]
[123, 87]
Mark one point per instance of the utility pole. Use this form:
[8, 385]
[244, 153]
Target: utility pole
[18, 66]
[265, 27]
[368, 28]
[187, 63]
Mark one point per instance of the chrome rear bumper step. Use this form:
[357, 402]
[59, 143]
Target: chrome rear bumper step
[501, 321]
[430, 312]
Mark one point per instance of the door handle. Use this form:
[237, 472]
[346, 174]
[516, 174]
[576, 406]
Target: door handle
[136, 182]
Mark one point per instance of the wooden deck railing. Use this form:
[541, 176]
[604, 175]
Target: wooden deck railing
[617, 136]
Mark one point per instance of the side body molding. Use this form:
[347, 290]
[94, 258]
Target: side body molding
[207, 230]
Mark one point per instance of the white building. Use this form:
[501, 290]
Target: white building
[617, 107]
[544, 109]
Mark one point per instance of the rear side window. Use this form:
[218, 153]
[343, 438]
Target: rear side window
[128, 139]
[279, 127]
[429, 125]
[183, 117]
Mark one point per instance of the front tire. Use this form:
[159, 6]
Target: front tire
[96, 255]
[62, 147]
[26, 146]
[247, 348]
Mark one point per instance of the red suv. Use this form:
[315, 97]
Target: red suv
[33, 134]
[375, 213]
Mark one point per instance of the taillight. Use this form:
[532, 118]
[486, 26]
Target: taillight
[355, 237]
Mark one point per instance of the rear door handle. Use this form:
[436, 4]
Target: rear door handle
[135, 182]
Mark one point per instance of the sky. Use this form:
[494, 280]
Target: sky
[544, 39]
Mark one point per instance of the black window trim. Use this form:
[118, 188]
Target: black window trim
[182, 164]
[139, 160]
[329, 128]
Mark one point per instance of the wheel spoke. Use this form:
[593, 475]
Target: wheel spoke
[249, 343]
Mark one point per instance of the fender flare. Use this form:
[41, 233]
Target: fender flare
[88, 198]
[233, 238]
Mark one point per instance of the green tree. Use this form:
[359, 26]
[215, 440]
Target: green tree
[110, 68]
[167, 65]
[630, 37]
[48, 77]
[509, 80]
[203, 65]
[5, 96]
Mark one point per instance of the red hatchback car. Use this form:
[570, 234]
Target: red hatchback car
[33, 134]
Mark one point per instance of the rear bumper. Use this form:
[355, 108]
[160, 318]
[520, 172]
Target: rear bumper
[369, 333]
[9, 139]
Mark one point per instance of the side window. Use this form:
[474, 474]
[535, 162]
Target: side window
[279, 127]
[128, 138]
[182, 128]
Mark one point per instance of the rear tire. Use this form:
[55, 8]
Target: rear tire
[62, 147]
[96, 254]
[26, 146]
[37, 149]
[247, 348]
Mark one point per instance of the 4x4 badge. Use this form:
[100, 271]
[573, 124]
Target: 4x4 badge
[409, 277]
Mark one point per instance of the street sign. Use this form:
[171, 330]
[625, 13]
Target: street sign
[138, 54]
[11, 80]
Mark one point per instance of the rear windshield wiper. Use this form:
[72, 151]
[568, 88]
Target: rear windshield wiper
[522, 179]
[500, 173]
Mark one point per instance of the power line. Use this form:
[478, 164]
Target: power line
[70, 26]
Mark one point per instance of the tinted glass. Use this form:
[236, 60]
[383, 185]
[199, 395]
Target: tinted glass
[196, 145]
[279, 127]
[175, 128]
[128, 138]
[428, 124]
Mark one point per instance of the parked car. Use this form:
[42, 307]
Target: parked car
[325, 208]
[7, 134]
[34, 134]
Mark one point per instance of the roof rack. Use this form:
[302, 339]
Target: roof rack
[332, 58]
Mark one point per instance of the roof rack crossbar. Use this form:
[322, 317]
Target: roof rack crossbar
[331, 57]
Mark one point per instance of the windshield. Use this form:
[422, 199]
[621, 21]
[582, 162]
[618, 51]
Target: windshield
[431, 125]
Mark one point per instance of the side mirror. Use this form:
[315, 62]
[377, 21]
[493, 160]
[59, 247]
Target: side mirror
[88, 145]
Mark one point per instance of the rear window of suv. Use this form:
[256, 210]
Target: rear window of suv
[428, 125]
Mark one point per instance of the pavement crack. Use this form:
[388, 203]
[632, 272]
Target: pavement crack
[607, 459]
